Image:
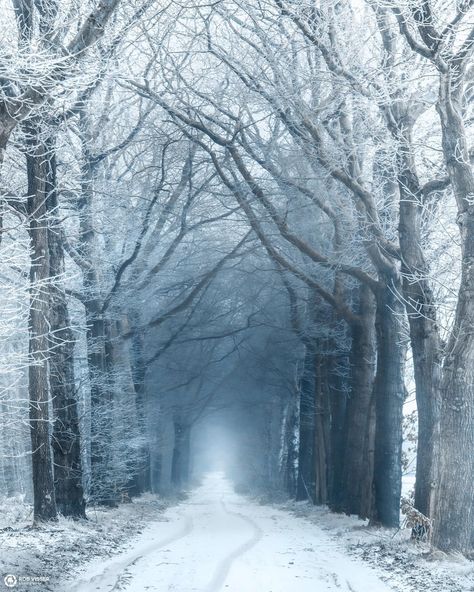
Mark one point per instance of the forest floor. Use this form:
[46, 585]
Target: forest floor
[217, 540]
[41, 558]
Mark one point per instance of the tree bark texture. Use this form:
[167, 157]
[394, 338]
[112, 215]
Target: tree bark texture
[357, 469]
[454, 512]
[40, 278]
[424, 333]
[66, 434]
[389, 399]
[306, 482]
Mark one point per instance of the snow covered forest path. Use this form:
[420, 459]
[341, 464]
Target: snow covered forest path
[218, 540]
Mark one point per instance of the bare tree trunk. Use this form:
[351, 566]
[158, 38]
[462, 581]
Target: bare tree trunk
[454, 513]
[305, 483]
[427, 351]
[103, 490]
[389, 397]
[357, 476]
[322, 422]
[338, 377]
[290, 457]
[181, 454]
[66, 434]
[142, 480]
[40, 277]
[421, 310]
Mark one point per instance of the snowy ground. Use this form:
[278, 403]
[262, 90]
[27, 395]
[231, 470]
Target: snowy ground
[41, 558]
[403, 565]
[219, 541]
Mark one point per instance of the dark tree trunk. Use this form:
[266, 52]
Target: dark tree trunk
[357, 470]
[155, 472]
[103, 489]
[305, 483]
[337, 401]
[389, 398]
[322, 429]
[40, 277]
[181, 454]
[142, 478]
[291, 453]
[66, 436]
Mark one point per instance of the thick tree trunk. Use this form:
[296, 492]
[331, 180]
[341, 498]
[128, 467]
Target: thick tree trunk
[40, 277]
[357, 470]
[389, 398]
[427, 351]
[305, 483]
[454, 513]
[66, 435]
[424, 332]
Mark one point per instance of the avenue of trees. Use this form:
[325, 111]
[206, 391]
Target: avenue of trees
[260, 211]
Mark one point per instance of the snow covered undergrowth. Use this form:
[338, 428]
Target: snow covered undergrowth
[41, 558]
[219, 541]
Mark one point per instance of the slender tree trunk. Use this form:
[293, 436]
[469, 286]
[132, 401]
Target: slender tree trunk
[128, 384]
[305, 484]
[181, 454]
[142, 481]
[156, 452]
[8, 461]
[40, 277]
[103, 488]
[357, 475]
[367, 491]
[337, 401]
[389, 398]
[322, 428]
[290, 458]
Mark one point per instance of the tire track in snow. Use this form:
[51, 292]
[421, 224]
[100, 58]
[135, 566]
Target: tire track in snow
[110, 577]
[224, 566]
